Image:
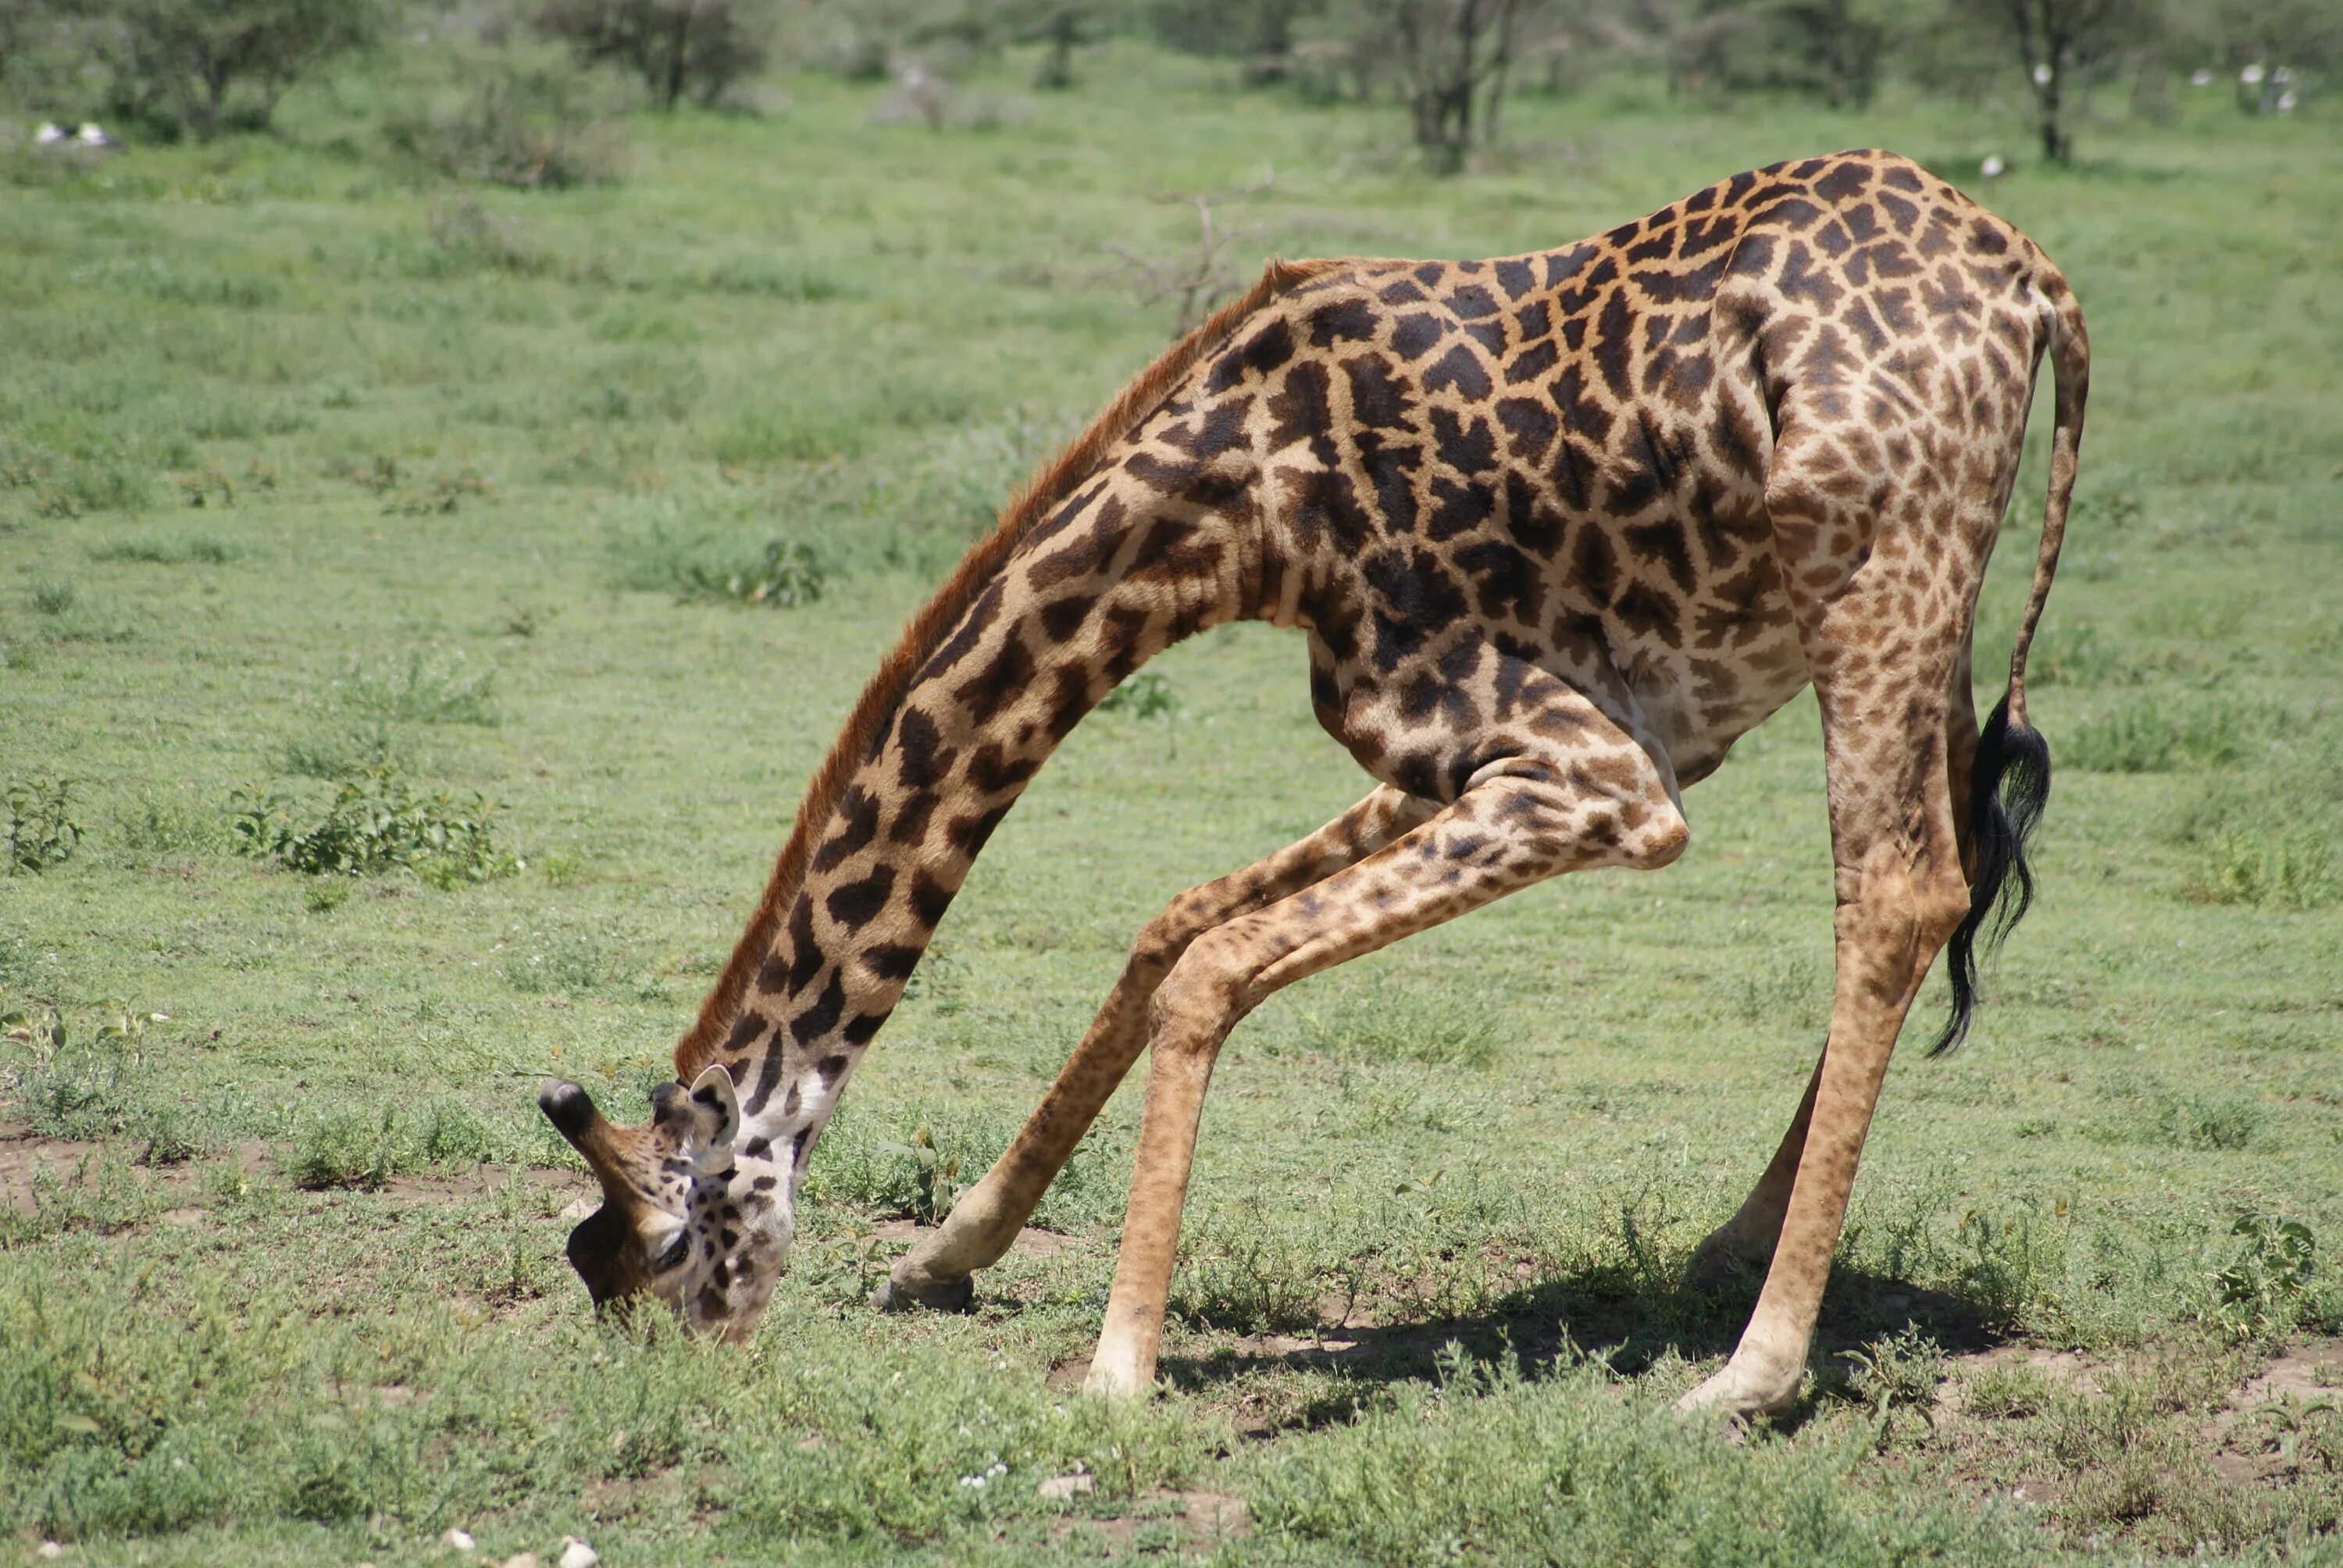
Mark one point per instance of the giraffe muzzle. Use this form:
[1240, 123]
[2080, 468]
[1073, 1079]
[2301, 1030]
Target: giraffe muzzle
[569, 1108]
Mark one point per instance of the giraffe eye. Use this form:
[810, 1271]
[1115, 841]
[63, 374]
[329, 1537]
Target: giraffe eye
[677, 1251]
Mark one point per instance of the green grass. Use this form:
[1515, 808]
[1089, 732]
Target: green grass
[293, 1292]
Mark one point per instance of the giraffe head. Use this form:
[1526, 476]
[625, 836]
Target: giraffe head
[684, 1217]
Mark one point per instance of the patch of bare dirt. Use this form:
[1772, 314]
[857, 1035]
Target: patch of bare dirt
[2313, 1370]
[484, 1179]
[2236, 1423]
[1202, 1519]
[26, 1163]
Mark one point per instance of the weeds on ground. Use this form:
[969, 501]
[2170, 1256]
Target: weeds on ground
[160, 824]
[1378, 1018]
[1592, 1474]
[2156, 736]
[203, 549]
[420, 690]
[2282, 868]
[354, 1146]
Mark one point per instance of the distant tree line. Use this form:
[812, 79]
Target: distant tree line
[197, 68]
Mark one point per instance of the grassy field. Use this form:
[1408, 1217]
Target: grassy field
[315, 470]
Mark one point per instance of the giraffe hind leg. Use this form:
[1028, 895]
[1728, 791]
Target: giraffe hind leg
[988, 1217]
[1883, 673]
[1554, 806]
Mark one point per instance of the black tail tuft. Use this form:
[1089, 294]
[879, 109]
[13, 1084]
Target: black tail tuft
[2009, 784]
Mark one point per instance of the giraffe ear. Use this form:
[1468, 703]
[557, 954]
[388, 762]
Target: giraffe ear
[714, 1110]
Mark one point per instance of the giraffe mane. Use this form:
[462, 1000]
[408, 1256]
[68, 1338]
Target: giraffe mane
[884, 695]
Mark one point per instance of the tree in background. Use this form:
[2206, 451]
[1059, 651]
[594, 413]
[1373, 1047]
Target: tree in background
[1838, 48]
[2266, 47]
[1450, 60]
[677, 46]
[1259, 32]
[181, 68]
[2055, 41]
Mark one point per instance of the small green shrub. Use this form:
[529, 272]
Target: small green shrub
[1146, 695]
[54, 595]
[1897, 1374]
[787, 575]
[375, 822]
[42, 830]
[536, 129]
[2262, 1287]
[935, 1175]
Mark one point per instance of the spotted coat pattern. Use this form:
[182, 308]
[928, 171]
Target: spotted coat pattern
[1558, 529]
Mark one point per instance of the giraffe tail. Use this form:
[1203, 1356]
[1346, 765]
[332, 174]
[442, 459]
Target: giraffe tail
[2010, 779]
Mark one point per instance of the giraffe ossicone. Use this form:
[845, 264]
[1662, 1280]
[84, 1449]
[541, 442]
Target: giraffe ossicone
[1558, 529]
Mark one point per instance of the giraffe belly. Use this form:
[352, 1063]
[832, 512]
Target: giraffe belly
[1697, 701]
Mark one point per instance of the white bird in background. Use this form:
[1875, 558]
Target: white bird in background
[2251, 76]
[90, 136]
[1993, 169]
[48, 136]
[2200, 79]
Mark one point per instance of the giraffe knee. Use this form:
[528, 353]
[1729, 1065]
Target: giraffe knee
[1663, 838]
[1944, 900]
[1642, 832]
[1204, 993]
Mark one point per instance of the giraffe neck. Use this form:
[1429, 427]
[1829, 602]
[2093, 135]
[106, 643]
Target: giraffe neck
[1118, 572]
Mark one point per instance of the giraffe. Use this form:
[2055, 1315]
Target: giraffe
[1558, 529]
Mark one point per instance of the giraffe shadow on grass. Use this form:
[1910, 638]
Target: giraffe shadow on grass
[1550, 1324]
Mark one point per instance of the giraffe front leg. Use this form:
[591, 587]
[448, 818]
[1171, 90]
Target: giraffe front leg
[1508, 830]
[988, 1217]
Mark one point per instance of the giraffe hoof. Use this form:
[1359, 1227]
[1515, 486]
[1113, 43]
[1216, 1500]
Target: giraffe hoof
[1729, 1400]
[937, 1296]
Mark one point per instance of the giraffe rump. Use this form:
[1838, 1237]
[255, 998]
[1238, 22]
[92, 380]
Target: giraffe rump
[883, 695]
